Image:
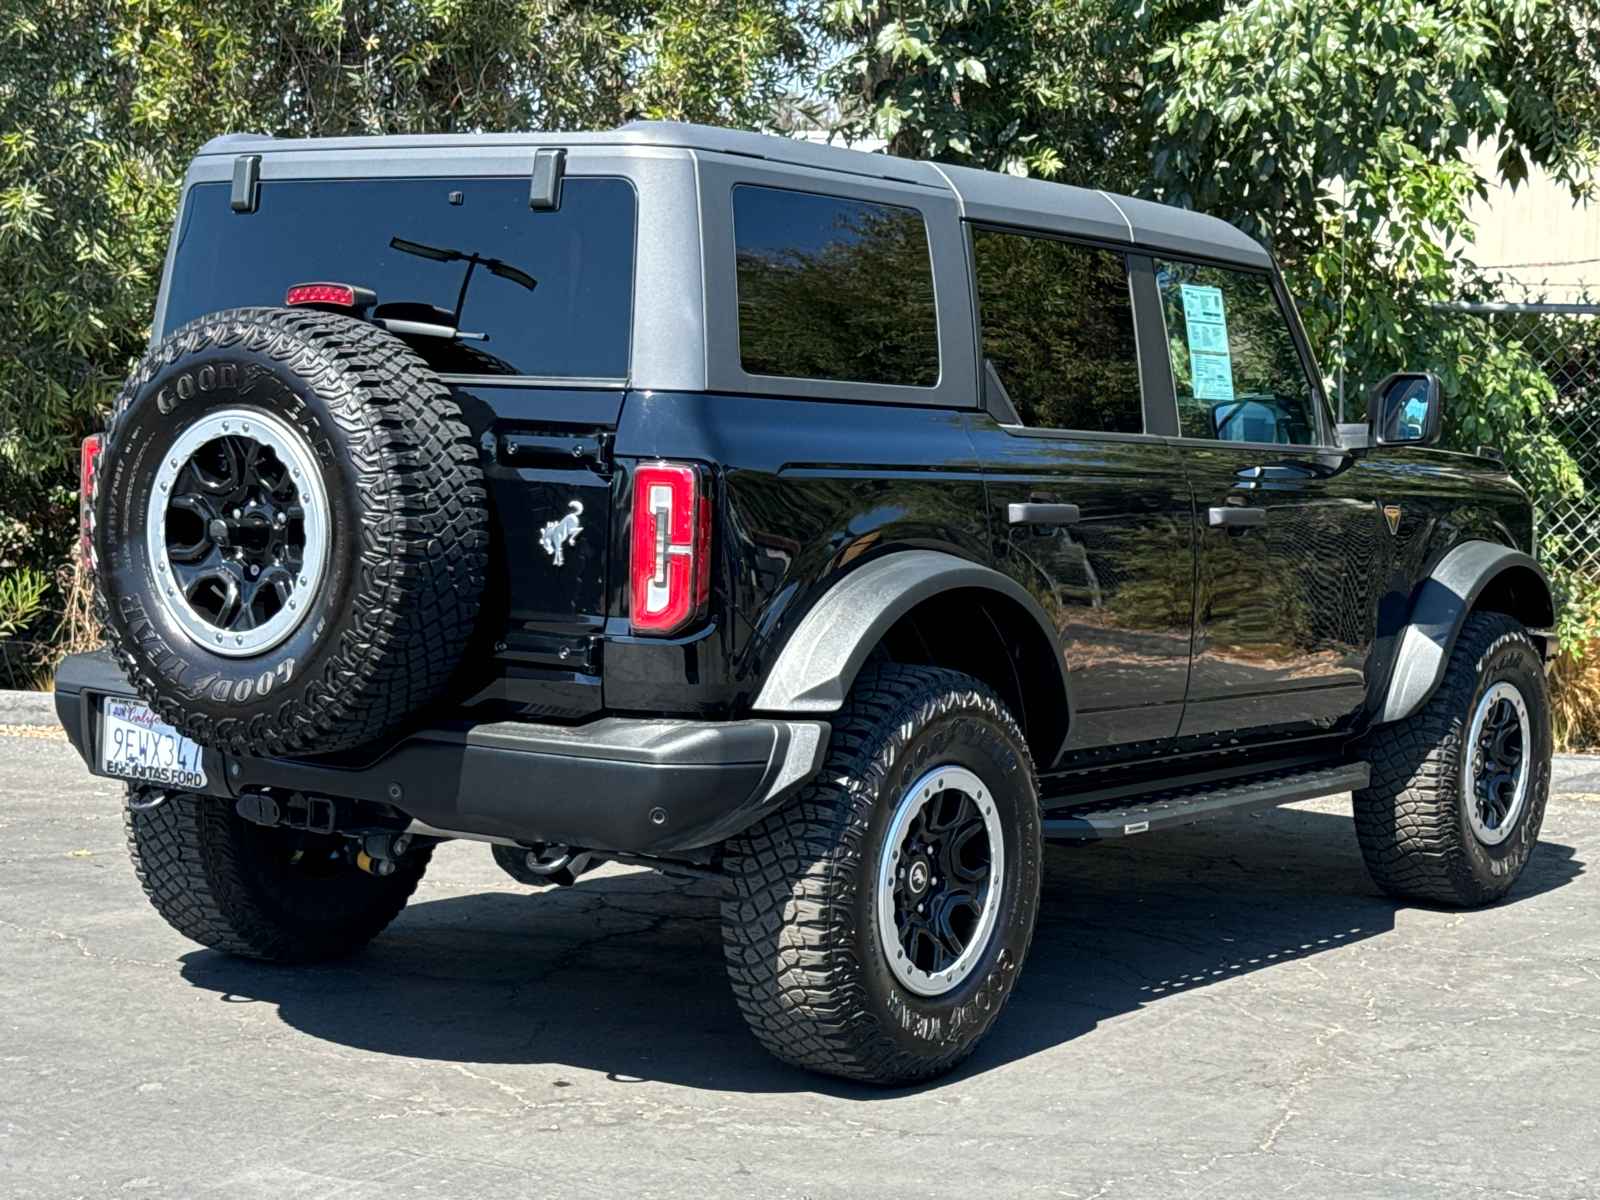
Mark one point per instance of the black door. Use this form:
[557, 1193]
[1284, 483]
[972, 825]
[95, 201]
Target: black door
[1286, 530]
[1087, 511]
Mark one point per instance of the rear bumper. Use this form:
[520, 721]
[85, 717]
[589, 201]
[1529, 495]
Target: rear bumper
[631, 785]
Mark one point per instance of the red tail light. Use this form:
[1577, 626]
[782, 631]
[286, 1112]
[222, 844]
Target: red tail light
[88, 463]
[671, 563]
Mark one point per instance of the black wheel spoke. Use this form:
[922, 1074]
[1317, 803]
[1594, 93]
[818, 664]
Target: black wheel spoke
[189, 518]
[956, 919]
[965, 854]
[211, 586]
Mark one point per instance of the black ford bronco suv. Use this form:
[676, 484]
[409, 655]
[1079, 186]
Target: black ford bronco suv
[839, 526]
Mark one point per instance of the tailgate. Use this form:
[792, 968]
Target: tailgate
[547, 463]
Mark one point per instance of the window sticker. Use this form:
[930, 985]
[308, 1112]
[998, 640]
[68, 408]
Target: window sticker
[1213, 376]
[1206, 322]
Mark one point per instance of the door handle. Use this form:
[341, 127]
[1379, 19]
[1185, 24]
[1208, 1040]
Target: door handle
[1231, 517]
[1042, 514]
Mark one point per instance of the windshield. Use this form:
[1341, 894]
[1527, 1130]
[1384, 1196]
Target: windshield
[574, 324]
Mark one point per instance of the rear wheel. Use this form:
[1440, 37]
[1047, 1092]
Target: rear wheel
[1458, 790]
[876, 924]
[259, 892]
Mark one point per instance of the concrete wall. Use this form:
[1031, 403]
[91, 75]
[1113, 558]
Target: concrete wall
[1539, 237]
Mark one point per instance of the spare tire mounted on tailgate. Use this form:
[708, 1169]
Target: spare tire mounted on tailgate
[289, 531]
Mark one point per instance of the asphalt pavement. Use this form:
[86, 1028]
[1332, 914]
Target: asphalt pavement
[1228, 1010]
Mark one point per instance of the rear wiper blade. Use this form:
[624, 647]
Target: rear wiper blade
[496, 266]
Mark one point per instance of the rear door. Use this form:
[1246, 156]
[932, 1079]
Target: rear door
[1286, 529]
[1087, 510]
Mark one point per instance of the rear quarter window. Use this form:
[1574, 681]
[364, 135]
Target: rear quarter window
[834, 289]
[574, 324]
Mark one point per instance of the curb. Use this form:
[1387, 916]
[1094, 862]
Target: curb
[1575, 775]
[27, 708]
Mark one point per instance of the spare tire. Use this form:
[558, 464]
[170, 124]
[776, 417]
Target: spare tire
[289, 531]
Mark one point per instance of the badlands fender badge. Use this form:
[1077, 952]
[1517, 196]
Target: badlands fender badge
[1391, 513]
[561, 533]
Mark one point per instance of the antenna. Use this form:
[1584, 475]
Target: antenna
[1342, 219]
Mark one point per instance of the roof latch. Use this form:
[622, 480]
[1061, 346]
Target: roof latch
[246, 183]
[545, 191]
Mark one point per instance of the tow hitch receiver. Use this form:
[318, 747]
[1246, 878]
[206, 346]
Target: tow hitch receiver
[376, 835]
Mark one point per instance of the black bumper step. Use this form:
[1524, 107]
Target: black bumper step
[1186, 805]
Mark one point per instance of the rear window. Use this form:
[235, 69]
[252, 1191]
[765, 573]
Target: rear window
[574, 324]
[834, 289]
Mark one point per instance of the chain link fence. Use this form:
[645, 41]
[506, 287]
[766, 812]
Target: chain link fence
[1565, 340]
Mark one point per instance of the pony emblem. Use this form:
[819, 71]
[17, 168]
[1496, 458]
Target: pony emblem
[560, 534]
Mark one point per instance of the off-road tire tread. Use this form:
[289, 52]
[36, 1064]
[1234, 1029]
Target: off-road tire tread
[424, 547]
[1408, 818]
[183, 857]
[790, 886]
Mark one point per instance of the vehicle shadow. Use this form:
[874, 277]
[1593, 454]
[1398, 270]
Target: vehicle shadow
[624, 974]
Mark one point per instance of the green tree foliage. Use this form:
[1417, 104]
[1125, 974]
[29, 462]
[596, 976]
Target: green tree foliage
[103, 102]
[1045, 87]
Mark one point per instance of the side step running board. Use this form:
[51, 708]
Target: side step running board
[1201, 802]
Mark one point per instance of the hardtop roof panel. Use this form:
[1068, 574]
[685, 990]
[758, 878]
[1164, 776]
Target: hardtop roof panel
[984, 195]
[1181, 231]
[1062, 208]
[1035, 204]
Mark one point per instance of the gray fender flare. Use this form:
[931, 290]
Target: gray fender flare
[821, 658]
[1443, 602]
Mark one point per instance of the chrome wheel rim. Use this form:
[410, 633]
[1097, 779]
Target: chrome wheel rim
[237, 529]
[1495, 782]
[940, 880]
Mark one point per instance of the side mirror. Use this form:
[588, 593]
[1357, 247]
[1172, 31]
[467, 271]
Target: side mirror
[1406, 410]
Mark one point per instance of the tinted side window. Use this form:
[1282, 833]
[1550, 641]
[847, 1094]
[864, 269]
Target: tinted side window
[1058, 327]
[834, 289]
[1238, 374]
[575, 323]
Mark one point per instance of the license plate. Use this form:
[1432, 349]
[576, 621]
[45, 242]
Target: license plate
[136, 745]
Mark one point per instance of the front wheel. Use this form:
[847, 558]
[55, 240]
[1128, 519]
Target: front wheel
[1458, 790]
[875, 925]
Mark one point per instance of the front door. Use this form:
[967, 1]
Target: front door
[1086, 510]
[1286, 530]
